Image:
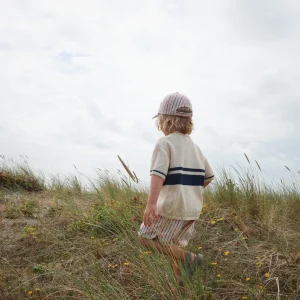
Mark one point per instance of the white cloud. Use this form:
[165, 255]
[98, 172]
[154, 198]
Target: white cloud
[80, 81]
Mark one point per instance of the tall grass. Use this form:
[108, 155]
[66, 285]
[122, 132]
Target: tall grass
[81, 242]
[14, 175]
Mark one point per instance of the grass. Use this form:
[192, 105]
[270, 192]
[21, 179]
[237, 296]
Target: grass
[19, 176]
[64, 240]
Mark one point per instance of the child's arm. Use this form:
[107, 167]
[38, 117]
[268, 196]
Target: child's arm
[207, 183]
[151, 210]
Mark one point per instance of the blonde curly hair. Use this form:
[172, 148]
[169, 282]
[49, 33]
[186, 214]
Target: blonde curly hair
[169, 124]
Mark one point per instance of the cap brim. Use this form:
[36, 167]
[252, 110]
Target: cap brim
[155, 116]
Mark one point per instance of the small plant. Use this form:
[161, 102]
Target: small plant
[27, 209]
[54, 210]
[80, 225]
[12, 211]
[30, 232]
[40, 269]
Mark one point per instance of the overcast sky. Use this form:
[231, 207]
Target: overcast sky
[81, 80]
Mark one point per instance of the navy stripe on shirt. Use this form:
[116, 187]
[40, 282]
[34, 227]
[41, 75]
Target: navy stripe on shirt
[184, 179]
[186, 169]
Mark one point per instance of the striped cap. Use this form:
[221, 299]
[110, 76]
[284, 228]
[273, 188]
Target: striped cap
[176, 104]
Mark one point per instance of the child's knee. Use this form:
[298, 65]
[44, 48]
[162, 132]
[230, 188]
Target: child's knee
[146, 242]
[143, 241]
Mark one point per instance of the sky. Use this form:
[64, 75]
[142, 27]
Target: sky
[81, 80]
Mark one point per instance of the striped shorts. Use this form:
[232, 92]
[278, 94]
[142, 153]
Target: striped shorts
[169, 231]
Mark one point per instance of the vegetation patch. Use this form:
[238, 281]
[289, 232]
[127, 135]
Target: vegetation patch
[82, 242]
[14, 176]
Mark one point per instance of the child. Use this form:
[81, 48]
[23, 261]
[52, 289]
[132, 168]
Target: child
[179, 174]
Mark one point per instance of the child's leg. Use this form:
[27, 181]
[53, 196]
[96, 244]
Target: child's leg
[176, 271]
[170, 231]
[175, 252]
[175, 268]
[177, 274]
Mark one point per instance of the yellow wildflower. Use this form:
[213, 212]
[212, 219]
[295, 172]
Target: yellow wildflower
[226, 253]
[236, 229]
[147, 252]
[220, 219]
[218, 275]
[126, 263]
[247, 278]
[260, 286]
[212, 222]
[267, 275]
[37, 290]
[92, 237]
[204, 205]
[30, 293]
[244, 298]
[214, 263]
[200, 247]
[259, 264]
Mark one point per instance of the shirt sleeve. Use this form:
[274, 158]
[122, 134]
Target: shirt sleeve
[160, 160]
[209, 174]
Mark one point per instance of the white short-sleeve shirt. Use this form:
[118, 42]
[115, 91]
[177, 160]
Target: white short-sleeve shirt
[180, 162]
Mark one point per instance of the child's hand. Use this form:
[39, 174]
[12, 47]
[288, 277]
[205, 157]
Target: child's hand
[151, 211]
[150, 214]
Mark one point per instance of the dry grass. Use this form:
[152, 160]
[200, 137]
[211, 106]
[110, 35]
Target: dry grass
[19, 176]
[69, 243]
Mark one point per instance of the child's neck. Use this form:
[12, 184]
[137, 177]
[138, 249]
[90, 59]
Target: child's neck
[168, 133]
